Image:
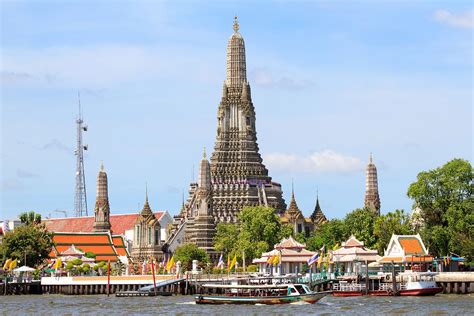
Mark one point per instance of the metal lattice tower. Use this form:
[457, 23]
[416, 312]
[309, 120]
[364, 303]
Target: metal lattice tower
[80, 200]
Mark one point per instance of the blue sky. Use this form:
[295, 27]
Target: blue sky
[331, 82]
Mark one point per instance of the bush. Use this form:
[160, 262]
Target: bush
[252, 268]
[69, 265]
[239, 269]
[86, 267]
[90, 255]
[77, 262]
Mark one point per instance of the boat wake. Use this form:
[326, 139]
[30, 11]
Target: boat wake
[186, 303]
[299, 303]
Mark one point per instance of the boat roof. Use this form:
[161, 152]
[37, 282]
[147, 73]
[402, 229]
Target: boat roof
[247, 286]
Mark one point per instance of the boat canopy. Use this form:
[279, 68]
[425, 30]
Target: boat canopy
[246, 286]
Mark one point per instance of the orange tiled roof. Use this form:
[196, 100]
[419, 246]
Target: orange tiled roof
[119, 223]
[120, 246]
[100, 243]
[411, 245]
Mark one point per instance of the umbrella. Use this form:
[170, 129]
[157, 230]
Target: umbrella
[24, 269]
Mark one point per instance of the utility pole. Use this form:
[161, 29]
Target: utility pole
[80, 200]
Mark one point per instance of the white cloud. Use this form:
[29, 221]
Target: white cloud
[323, 161]
[465, 19]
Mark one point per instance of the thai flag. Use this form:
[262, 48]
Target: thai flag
[220, 263]
[313, 259]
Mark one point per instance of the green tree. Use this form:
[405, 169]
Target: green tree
[445, 198]
[259, 228]
[33, 240]
[189, 252]
[360, 223]
[225, 237]
[328, 234]
[29, 218]
[397, 222]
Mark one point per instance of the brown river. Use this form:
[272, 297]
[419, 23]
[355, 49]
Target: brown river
[54, 305]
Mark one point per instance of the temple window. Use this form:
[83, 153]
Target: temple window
[157, 237]
[300, 228]
[149, 235]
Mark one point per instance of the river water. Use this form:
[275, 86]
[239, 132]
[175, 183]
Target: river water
[441, 304]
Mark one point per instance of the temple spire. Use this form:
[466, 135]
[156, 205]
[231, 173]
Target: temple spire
[102, 208]
[236, 66]
[236, 25]
[372, 199]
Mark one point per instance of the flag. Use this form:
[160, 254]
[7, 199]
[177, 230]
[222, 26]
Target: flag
[320, 260]
[12, 264]
[445, 261]
[322, 248]
[270, 259]
[6, 266]
[234, 261]
[276, 260]
[335, 246]
[313, 259]
[170, 264]
[58, 264]
[327, 259]
[220, 263]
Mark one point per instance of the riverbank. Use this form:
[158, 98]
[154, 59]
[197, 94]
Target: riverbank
[442, 304]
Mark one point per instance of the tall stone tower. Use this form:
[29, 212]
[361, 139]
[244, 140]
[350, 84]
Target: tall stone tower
[102, 208]
[201, 224]
[372, 199]
[238, 176]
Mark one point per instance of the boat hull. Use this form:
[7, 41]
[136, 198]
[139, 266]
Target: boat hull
[347, 293]
[267, 300]
[422, 292]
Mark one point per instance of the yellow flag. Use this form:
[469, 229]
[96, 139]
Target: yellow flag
[335, 246]
[58, 264]
[12, 265]
[276, 260]
[270, 259]
[6, 266]
[320, 260]
[327, 258]
[170, 264]
[234, 261]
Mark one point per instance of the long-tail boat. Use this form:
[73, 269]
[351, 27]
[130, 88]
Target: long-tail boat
[260, 294]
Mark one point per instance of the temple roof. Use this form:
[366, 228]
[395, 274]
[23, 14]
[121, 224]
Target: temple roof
[318, 216]
[352, 242]
[293, 212]
[119, 223]
[289, 243]
[99, 243]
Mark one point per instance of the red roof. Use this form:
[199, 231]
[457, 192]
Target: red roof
[100, 243]
[119, 222]
[411, 245]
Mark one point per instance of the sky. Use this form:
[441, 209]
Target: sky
[332, 82]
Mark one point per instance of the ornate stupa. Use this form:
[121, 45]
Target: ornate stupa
[102, 207]
[235, 177]
[238, 176]
[147, 239]
[372, 199]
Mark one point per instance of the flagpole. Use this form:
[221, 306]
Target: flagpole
[153, 272]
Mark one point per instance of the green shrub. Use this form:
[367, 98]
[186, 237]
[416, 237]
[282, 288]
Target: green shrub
[239, 269]
[252, 268]
[90, 255]
[69, 265]
[77, 262]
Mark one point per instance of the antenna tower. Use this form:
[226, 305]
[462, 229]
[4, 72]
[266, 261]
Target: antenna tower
[80, 200]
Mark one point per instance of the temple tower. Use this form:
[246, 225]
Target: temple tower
[102, 208]
[238, 176]
[372, 199]
[318, 217]
[147, 240]
[201, 224]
